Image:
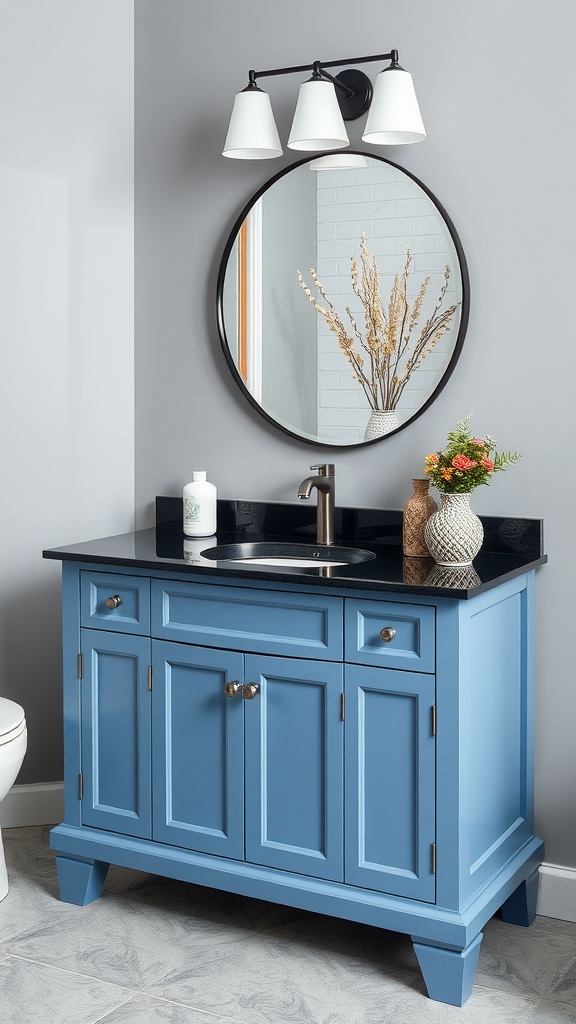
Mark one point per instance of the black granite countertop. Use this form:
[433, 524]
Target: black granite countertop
[511, 547]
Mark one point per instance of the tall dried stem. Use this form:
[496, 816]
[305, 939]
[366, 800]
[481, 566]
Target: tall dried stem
[391, 346]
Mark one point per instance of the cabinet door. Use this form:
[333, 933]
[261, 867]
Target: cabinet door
[116, 732]
[390, 781]
[294, 755]
[198, 749]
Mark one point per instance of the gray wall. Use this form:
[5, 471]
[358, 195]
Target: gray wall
[499, 156]
[66, 325]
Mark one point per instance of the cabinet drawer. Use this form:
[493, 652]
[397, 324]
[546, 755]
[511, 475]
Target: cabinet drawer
[115, 602]
[256, 621]
[390, 634]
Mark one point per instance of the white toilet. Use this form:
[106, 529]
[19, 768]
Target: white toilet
[13, 741]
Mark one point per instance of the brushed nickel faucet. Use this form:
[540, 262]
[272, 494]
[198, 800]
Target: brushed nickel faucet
[325, 484]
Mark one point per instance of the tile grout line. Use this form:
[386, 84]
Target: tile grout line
[530, 1012]
[132, 992]
[77, 974]
[196, 1009]
[124, 1002]
[561, 979]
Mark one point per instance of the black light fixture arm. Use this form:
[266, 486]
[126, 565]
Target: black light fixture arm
[353, 87]
[321, 64]
[319, 72]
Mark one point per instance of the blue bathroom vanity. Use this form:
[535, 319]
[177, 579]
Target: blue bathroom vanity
[353, 740]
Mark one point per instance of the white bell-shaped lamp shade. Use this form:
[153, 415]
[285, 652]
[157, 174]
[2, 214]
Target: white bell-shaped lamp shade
[252, 133]
[394, 118]
[318, 122]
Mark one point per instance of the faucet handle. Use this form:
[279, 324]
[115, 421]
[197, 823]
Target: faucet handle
[326, 469]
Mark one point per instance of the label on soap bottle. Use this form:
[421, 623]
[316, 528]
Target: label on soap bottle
[199, 506]
[192, 512]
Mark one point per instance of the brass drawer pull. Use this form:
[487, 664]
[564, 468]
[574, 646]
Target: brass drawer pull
[114, 602]
[387, 634]
[231, 689]
[249, 690]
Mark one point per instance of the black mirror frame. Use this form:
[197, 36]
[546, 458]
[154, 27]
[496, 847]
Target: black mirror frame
[464, 317]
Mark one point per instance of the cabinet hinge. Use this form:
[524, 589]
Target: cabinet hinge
[149, 677]
[80, 786]
[433, 859]
[342, 707]
[433, 717]
[80, 666]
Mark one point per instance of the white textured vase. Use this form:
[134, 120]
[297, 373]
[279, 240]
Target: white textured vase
[379, 423]
[455, 577]
[454, 534]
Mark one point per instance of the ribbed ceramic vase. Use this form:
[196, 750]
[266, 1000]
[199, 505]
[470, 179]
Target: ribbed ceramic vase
[454, 534]
[380, 422]
[417, 511]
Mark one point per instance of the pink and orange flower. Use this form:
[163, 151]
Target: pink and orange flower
[465, 463]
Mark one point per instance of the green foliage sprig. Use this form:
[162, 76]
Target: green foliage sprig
[466, 462]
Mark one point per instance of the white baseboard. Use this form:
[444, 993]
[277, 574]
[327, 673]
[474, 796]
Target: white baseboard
[557, 892]
[41, 803]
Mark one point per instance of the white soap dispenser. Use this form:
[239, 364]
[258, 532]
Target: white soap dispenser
[199, 506]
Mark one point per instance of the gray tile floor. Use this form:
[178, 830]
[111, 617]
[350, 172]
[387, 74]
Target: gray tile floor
[154, 951]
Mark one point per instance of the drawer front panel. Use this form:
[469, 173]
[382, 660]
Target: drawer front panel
[390, 635]
[256, 621]
[115, 602]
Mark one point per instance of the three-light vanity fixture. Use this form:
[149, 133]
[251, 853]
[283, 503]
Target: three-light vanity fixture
[324, 103]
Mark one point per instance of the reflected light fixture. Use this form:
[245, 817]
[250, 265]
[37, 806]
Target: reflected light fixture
[324, 103]
[338, 162]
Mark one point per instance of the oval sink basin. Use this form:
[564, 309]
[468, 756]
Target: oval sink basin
[298, 556]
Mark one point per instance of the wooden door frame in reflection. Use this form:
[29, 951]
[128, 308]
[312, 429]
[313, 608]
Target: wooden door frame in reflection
[250, 301]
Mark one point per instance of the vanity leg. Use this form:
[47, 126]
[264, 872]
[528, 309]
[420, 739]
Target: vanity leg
[520, 907]
[448, 973]
[80, 881]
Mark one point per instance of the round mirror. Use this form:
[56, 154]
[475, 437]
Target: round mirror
[342, 299]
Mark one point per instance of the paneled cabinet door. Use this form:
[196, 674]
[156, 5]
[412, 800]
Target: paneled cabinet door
[294, 765]
[198, 763]
[390, 781]
[115, 725]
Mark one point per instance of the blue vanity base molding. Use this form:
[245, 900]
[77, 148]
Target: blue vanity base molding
[446, 942]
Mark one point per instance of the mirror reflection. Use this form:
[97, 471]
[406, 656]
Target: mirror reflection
[342, 299]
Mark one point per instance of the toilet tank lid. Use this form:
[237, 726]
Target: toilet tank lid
[11, 715]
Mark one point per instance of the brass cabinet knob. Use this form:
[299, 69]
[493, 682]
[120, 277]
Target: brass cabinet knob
[387, 634]
[114, 602]
[249, 690]
[231, 689]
